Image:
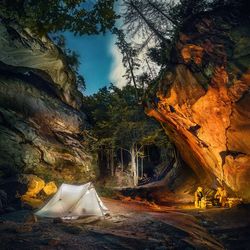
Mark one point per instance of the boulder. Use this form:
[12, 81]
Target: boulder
[50, 188]
[35, 185]
[22, 189]
[32, 202]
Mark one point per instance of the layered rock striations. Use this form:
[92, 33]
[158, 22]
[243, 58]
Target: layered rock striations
[41, 127]
[203, 101]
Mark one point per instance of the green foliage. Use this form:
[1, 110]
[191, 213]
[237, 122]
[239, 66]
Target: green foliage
[160, 54]
[118, 120]
[78, 16]
[186, 8]
[105, 191]
[160, 21]
[129, 58]
[148, 18]
[72, 60]
[80, 82]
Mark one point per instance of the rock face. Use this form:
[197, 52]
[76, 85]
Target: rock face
[41, 127]
[35, 185]
[50, 188]
[204, 101]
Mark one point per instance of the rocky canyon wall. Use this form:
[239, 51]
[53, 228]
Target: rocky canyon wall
[203, 101]
[41, 127]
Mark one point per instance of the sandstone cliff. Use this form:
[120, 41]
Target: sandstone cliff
[203, 100]
[41, 127]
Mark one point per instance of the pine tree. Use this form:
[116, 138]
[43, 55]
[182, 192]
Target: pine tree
[129, 58]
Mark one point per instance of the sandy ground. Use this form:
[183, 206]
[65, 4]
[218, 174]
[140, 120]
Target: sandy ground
[131, 225]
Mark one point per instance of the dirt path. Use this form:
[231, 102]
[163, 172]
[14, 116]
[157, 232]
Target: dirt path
[132, 225]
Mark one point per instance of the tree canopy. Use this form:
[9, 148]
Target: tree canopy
[158, 22]
[119, 123]
[78, 16]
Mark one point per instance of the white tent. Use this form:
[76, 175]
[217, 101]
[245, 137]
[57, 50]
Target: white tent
[72, 201]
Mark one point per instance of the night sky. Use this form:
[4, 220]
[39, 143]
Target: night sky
[100, 59]
[95, 58]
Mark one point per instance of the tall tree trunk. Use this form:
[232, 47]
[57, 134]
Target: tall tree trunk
[151, 72]
[102, 162]
[161, 12]
[133, 76]
[133, 164]
[121, 159]
[142, 167]
[112, 162]
[148, 153]
[137, 164]
[149, 24]
[108, 160]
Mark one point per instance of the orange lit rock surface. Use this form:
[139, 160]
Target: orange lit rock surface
[192, 51]
[35, 185]
[204, 102]
[33, 202]
[50, 188]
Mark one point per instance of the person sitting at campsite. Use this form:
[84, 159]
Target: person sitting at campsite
[198, 195]
[220, 196]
